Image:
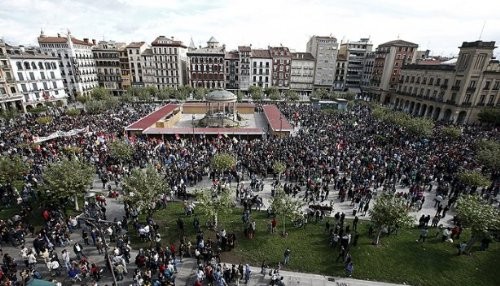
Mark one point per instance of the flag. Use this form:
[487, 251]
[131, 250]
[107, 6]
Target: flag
[177, 136]
[219, 136]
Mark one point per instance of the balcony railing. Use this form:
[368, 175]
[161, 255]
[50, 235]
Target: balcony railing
[471, 89]
[455, 88]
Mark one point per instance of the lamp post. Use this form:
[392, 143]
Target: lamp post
[97, 224]
[281, 124]
[192, 122]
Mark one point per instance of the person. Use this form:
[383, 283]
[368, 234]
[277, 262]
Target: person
[77, 248]
[423, 234]
[349, 268]
[286, 255]
[248, 271]
[461, 247]
[66, 259]
[273, 225]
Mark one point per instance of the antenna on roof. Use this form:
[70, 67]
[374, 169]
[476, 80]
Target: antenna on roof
[398, 37]
[482, 29]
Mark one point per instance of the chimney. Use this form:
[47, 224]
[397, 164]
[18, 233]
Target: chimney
[58, 35]
[21, 49]
[93, 42]
[86, 40]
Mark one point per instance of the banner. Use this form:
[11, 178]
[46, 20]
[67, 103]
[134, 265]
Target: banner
[58, 134]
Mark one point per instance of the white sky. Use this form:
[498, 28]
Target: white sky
[439, 25]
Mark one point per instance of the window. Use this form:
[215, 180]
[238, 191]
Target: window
[45, 86]
[472, 84]
[467, 98]
[496, 85]
[23, 87]
[487, 85]
[27, 66]
[40, 65]
[42, 75]
[35, 87]
[431, 81]
[482, 98]
[52, 75]
[492, 98]
[457, 82]
[19, 66]
[54, 84]
[33, 65]
[20, 76]
[32, 75]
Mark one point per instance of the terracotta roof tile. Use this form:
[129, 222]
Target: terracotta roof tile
[62, 40]
[261, 54]
[135, 44]
[302, 56]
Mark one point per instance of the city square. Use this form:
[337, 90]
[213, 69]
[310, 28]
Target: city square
[147, 160]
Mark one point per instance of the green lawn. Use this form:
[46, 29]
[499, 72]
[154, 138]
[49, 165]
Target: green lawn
[398, 259]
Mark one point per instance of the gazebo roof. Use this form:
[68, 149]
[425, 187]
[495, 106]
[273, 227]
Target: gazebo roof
[221, 95]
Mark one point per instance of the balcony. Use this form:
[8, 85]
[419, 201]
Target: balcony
[449, 101]
[455, 88]
[466, 103]
[471, 89]
[444, 86]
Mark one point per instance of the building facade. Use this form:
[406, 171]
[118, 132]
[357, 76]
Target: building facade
[244, 52]
[10, 97]
[76, 61]
[339, 82]
[124, 68]
[206, 66]
[231, 63]
[355, 52]
[261, 65]
[134, 54]
[324, 50]
[302, 73]
[107, 60]
[37, 77]
[164, 64]
[453, 91]
[390, 57]
[282, 67]
[366, 75]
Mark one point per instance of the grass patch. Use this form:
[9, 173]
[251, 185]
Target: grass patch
[398, 259]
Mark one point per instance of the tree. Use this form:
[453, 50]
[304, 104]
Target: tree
[291, 95]
[199, 93]
[82, 99]
[490, 116]
[474, 179]
[321, 93]
[164, 93]
[278, 168]
[94, 106]
[239, 95]
[272, 92]
[99, 93]
[121, 151]
[222, 162]
[476, 214]
[73, 112]
[488, 153]
[111, 102]
[212, 204]
[452, 132]
[12, 169]
[67, 178]
[389, 212]
[286, 206]
[152, 91]
[256, 92]
[143, 188]
[44, 120]
[185, 90]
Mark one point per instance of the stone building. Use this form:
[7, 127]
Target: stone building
[134, 54]
[206, 65]
[164, 64]
[76, 61]
[107, 60]
[390, 57]
[302, 73]
[261, 65]
[454, 90]
[10, 97]
[232, 64]
[282, 61]
[244, 80]
[324, 49]
[37, 76]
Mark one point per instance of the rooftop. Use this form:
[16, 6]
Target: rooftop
[169, 42]
[399, 43]
[221, 95]
[442, 67]
[152, 118]
[259, 53]
[276, 120]
[302, 56]
[135, 44]
[478, 44]
[62, 40]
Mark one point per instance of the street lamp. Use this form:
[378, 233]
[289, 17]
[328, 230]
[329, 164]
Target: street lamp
[281, 124]
[192, 122]
[97, 224]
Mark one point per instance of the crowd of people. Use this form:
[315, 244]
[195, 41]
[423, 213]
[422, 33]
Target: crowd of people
[348, 156]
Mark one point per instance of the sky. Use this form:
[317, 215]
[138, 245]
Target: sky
[440, 26]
